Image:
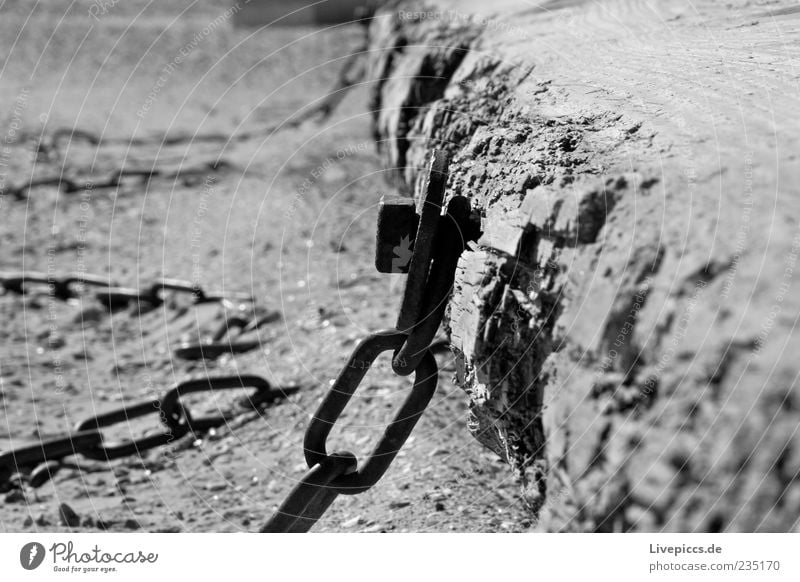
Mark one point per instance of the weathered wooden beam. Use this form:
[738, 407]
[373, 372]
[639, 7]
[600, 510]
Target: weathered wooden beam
[626, 323]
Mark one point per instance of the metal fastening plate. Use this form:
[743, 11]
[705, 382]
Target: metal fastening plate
[397, 229]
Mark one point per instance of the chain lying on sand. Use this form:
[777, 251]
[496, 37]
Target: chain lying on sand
[49, 146]
[69, 286]
[37, 463]
[438, 241]
[223, 341]
[119, 177]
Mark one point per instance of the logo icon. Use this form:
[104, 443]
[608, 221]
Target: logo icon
[31, 555]
[402, 255]
[400, 260]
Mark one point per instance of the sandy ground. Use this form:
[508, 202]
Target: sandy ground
[289, 218]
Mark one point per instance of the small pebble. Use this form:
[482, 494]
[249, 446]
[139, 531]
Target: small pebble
[42, 520]
[56, 341]
[357, 520]
[131, 524]
[68, 516]
[399, 504]
[91, 314]
[216, 486]
[28, 522]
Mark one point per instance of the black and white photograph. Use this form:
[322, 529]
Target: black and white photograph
[507, 273]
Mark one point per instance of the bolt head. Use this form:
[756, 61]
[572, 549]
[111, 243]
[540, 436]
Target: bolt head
[397, 229]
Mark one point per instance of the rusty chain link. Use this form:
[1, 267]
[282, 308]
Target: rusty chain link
[63, 287]
[66, 287]
[395, 433]
[87, 439]
[105, 452]
[221, 341]
[437, 244]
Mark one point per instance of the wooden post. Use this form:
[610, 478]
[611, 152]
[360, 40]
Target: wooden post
[626, 323]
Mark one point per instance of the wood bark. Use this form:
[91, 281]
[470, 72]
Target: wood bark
[626, 323]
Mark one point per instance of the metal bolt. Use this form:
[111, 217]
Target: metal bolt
[397, 229]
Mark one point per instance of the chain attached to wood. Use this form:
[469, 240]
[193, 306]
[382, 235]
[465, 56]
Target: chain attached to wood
[437, 244]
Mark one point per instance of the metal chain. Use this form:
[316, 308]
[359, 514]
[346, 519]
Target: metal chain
[111, 295]
[439, 241]
[87, 438]
[222, 343]
[351, 73]
[63, 287]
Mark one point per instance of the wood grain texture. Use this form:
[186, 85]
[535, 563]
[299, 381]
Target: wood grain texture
[626, 323]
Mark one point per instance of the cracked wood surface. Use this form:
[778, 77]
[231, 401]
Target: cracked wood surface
[625, 324]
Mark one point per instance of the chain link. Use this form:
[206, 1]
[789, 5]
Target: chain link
[48, 450]
[65, 287]
[87, 438]
[153, 295]
[439, 243]
[61, 287]
[312, 496]
[215, 346]
[395, 433]
[105, 452]
[176, 416]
